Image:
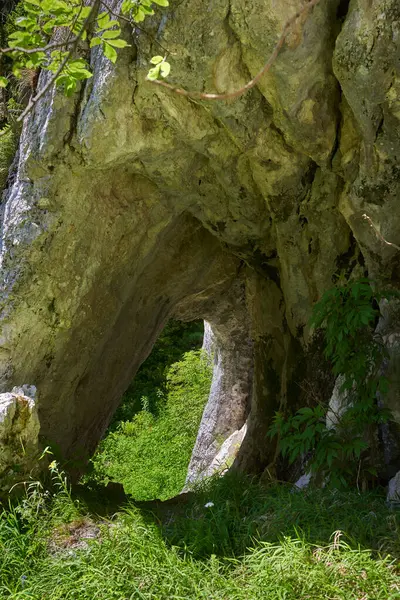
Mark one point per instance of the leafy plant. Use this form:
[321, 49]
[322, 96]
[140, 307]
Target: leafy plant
[30, 44]
[338, 454]
[232, 538]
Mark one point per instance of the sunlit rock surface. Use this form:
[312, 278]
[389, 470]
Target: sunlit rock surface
[131, 204]
[19, 431]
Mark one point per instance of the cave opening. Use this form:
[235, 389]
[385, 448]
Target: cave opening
[148, 445]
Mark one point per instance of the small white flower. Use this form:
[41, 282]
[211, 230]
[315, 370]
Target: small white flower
[209, 505]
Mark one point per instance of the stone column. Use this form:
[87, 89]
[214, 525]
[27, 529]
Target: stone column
[227, 338]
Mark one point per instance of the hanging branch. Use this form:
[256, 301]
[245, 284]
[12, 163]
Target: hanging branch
[377, 232]
[34, 50]
[74, 44]
[267, 66]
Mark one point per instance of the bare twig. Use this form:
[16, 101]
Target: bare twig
[34, 50]
[75, 21]
[374, 227]
[249, 85]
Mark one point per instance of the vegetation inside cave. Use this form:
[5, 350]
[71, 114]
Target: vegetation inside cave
[152, 435]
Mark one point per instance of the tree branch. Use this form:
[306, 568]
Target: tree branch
[379, 235]
[249, 85]
[34, 50]
[33, 101]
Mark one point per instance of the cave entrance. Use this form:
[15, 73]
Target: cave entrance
[184, 415]
[149, 443]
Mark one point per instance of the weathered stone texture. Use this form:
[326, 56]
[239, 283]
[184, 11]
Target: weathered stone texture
[19, 431]
[132, 204]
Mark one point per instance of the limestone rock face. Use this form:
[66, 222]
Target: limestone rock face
[226, 411]
[224, 458]
[131, 204]
[19, 431]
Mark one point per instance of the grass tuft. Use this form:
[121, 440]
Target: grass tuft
[251, 542]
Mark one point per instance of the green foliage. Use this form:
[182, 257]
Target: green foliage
[161, 69]
[36, 22]
[252, 543]
[138, 10]
[151, 380]
[340, 454]
[347, 313]
[150, 454]
[333, 453]
[8, 146]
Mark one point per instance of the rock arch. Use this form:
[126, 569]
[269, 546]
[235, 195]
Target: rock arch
[128, 204]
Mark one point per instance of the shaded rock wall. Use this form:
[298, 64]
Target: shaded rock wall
[131, 204]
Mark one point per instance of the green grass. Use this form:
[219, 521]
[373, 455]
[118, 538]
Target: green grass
[150, 453]
[254, 543]
[230, 539]
[150, 382]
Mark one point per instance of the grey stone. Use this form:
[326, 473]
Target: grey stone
[226, 455]
[19, 433]
[393, 495]
[303, 481]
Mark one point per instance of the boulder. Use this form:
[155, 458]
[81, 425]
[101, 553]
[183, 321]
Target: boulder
[19, 436]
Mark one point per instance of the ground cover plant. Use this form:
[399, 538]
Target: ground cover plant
[232, 539]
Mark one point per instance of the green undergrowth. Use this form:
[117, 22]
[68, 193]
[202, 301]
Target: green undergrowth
[150, 383]
[8, 146]
[150, 453]
[249, 542]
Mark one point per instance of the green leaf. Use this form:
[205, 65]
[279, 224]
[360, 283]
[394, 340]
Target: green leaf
[165, 69]
[118, 43]
[110, 52]
[20, 38]
[156, 59]
[104, 21]
[161, 2]
[139, 16]
[26, 23]
[127, 5]
[96, 41]
[111, 34]
[147, 10]
[85, 12]
[3, 82]
[154, 73]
